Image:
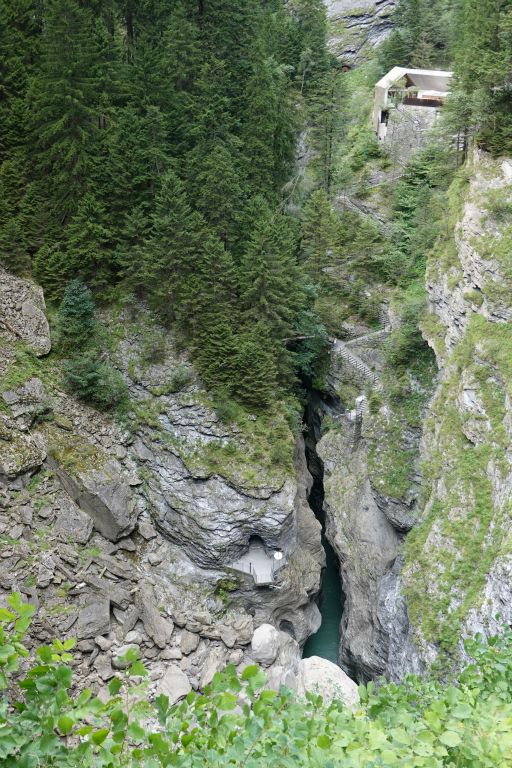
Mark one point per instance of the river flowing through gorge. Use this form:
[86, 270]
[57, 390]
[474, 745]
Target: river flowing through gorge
[325, 642]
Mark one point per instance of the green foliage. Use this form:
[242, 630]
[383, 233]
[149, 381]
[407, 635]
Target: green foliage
[481, 105]
[94, 380]
[87, 372]
[237, 722]
[145, 149]
[76, 318]
[423, 36]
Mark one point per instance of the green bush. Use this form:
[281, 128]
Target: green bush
[465, 723]
[181, 378]
[154, 347]
[95, 381]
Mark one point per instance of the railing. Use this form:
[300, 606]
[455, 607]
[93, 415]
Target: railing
[415, 101]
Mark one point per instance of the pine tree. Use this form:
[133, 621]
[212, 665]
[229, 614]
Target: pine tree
[270, 280]
[89, 243]
[62, 107]
[76, 318]
[267, 135]
[19, 35]
[218, 189]
[256, 367]
[168, 254]
[13, 253]
[321, 233]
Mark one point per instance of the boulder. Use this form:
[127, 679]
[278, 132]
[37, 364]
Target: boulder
[27, 400]
[103, 494]
[265, 645]
[119, 661]
[22, 313]
[215, 661]
[19, 452]
[174, 684]
[189, 642]
[73, 525]
[327, 679]
[159, 629]
[94, 619]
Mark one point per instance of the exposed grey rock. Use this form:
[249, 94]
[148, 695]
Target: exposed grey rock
[401, 515]
[146, 530]
[228, 635]
[215, 661]
[327, 679]
[475, 282]
[119, 661]
[103, 494]
[171, 654]
[102, 642]
[45, 571]
[16, 532]
[19, 452]
[94, 619]
[133, 637]
[22, 313]
[189, 642]
[26, 400]
[71, 524]
[116, 594]
[265, 644]
[103, 666]
[366, 545]
[403, 655]
[357, 26]
[174, 684]
[159, 629]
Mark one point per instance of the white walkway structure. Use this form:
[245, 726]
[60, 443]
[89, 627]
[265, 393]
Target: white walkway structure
[260, 564]
[420, 89]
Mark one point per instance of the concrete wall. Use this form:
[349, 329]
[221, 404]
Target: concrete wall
[407, 130]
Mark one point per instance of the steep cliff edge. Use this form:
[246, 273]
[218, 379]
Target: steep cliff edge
[457, 576]
[125, 532]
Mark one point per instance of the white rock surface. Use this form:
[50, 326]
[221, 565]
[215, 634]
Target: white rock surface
[327, 679]
[174, 684]
[265, 644]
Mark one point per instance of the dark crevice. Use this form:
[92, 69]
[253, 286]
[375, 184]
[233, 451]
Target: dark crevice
[331, 599]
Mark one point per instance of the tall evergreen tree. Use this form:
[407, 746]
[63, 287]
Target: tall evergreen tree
[62, 105]
[271, 285]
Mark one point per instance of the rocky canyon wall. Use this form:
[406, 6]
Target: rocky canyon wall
[357, 26]
[458, 564]
[124, 532]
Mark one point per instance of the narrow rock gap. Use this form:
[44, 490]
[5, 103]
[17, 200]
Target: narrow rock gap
[325, 642]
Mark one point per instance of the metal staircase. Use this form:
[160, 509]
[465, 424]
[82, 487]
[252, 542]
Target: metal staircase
[340, 349]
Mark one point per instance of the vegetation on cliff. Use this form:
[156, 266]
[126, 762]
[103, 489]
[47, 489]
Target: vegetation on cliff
[236, 722]
[148, 148]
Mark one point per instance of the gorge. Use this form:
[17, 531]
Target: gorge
[255, 384]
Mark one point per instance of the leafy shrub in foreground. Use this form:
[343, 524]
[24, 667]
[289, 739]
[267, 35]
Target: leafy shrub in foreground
[238, 723]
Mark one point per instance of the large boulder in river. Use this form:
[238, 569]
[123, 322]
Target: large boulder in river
[327, 679]
[265, 644]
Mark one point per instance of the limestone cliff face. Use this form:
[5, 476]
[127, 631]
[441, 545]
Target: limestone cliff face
[125, 533]
[358, 25]
[458, 568]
